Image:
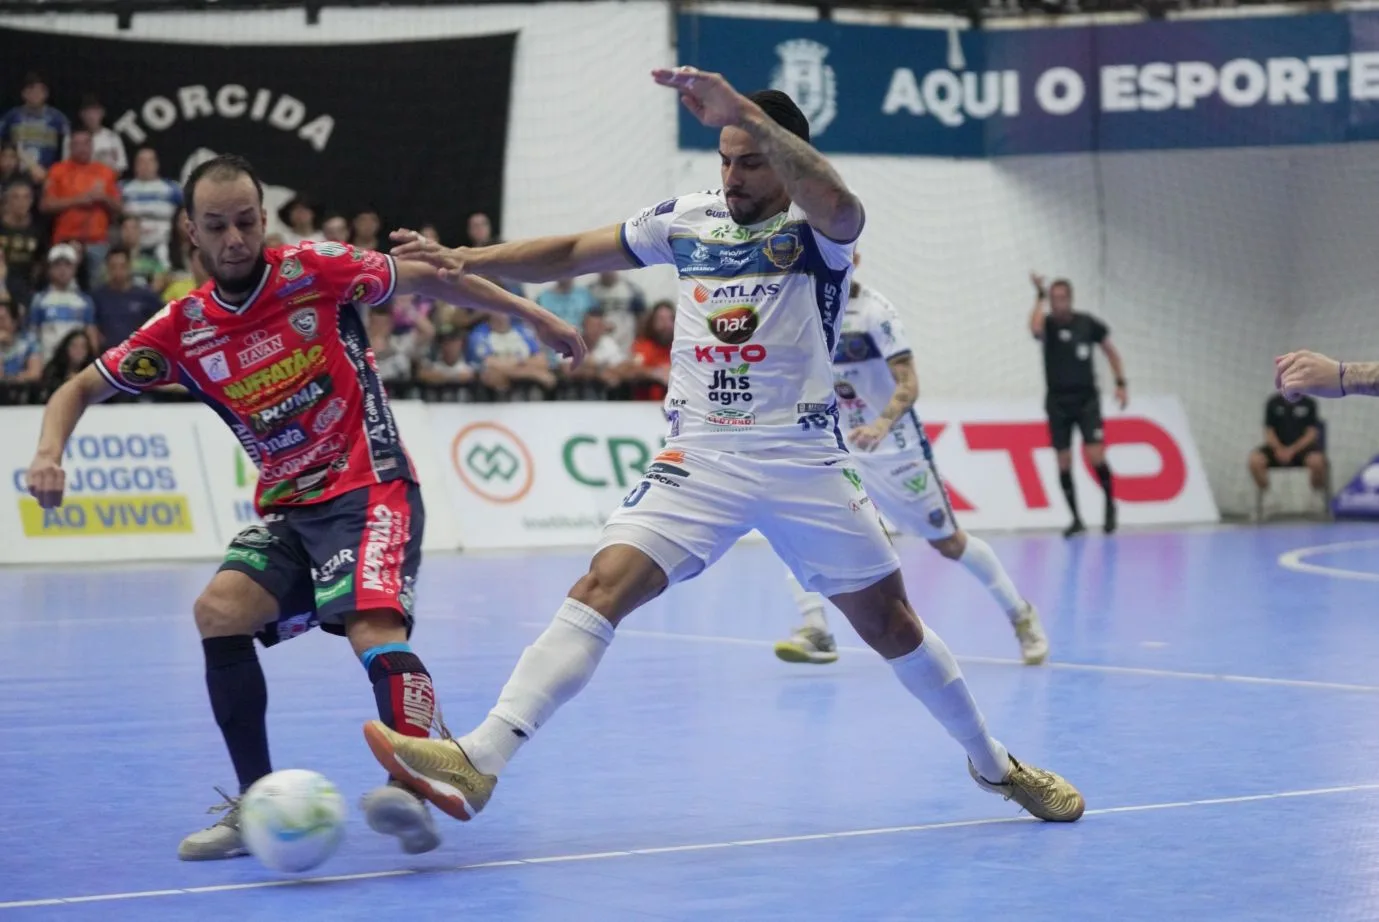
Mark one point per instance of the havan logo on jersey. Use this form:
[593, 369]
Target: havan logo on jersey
[259, 348]
[280, 372]
[272, 417]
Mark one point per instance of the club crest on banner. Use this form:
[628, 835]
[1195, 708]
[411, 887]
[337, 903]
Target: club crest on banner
[804, 77]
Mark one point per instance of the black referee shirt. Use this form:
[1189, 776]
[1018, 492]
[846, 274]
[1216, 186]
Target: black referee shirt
[1068, 348]
[1290, 421]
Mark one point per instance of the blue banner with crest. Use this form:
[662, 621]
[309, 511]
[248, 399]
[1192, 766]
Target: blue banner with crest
[1239, 82]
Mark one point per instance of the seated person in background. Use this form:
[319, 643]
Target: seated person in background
[606, 358]
[73, 354]
[19, 359]
[147, 269]
[121, 306]
[394, 352]
[622, 303]
[184, 283]
[336, 228]
[649, 370]
[1290, 440]
[449, 365]
[506, 353]
[62, 307]
[566, 301]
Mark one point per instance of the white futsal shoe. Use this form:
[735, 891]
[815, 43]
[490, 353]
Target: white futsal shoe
[808, 645]
[1029, 630]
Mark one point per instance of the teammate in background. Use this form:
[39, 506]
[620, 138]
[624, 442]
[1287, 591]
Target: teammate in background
[876, 385]
[274, 345]
[753, 442]
[1305, 372]
[1073, 399]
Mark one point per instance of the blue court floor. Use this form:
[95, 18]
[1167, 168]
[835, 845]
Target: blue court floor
[1215, 694]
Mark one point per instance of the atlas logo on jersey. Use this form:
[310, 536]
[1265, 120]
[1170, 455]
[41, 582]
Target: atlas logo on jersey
[734, 324]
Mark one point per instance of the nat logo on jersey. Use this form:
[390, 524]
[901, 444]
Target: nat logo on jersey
[734, 324]
[730, 386]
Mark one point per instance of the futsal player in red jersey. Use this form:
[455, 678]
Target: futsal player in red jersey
[275, 343]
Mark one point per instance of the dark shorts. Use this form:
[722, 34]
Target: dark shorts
[1065, 412]
[357, 552]
[1299, 460]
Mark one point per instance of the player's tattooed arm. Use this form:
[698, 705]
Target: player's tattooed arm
[1360, 378]
[906, 388]
[811, 181]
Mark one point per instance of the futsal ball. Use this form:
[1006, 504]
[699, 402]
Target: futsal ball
[292, 820]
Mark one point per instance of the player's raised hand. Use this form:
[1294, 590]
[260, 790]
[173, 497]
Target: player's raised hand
[561, 337]
[1306, 372]
[1038, 281]
[46, 480]
[711, 98]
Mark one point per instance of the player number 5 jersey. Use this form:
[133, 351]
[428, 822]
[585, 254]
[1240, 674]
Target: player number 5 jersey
[871, 336]
[755, 326]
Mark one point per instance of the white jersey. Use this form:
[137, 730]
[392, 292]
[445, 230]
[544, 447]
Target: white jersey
[871, 336]
[755, 327]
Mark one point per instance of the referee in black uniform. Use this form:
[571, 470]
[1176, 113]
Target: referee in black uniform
[1072, 399]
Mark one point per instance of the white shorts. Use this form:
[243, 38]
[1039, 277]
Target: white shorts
[909, 492]
[693, 504]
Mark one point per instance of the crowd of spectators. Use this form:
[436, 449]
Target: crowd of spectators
[93, 243]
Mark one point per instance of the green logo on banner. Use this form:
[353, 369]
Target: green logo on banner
[488, 462]
[336, 589]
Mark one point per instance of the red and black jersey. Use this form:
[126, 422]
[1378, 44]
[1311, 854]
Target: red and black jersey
[289, 370]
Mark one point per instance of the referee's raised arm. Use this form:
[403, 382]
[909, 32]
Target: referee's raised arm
[1036, 315]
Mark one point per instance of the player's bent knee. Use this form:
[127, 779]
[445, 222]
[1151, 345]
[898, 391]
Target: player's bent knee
[232, 605]
[951, 547]
[621, 578]
[882, 616]
[375, 627]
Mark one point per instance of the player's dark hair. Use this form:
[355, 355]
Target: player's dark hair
[118, 251]
[1061, 283]
[31, 78]
[80, 129]
[782, 110]
[225, 166]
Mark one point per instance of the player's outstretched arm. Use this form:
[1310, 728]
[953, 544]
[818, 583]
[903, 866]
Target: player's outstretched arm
[539, 259]
[812, 183]
[477, 293]
[64, 410]
[1306, 372]
[1037, 314]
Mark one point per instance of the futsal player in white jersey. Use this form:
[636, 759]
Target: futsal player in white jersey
[876, 385]
[764, 267]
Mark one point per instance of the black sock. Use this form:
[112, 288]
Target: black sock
[1103, 474]
[239, 700]
[1065, 480]
[402, 688]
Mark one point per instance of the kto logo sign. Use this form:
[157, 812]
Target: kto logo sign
[492, 462]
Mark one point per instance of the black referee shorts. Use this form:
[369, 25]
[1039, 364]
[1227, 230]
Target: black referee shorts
[1065, 411]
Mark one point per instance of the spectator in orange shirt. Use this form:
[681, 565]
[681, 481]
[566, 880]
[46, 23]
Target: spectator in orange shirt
[84, 195]
[649, 371]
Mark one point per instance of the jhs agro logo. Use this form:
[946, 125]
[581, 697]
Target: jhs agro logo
[804, 77]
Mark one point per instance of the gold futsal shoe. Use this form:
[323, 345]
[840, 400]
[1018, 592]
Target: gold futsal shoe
[437, 769]
[1044, 794]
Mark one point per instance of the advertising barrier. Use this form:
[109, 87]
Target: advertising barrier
[172, 483]
[135, 490]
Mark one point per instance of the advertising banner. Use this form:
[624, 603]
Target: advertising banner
[870, 89]
[135, 491]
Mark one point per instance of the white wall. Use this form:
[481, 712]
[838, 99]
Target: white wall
[1204, 263]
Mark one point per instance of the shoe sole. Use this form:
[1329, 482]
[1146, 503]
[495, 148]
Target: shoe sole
[788, 652]
[1035, 660]
[217, 856]
[402, 820]
[447, 800]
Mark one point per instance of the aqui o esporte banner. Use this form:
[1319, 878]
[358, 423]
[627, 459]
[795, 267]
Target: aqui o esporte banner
[1281, 80]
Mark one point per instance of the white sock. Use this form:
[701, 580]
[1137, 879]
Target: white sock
[981, 561]
[932, 675]
[551, 671]
[810, 604]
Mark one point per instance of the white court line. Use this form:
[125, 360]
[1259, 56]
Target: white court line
[1068, 667]
[666, 850]
[1295, 560]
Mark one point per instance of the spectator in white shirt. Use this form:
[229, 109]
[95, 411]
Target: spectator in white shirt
[606, 357]
[107, 145]
[622, 303]
[62, 307]
[336, 228]
[507, 352]
[394, 352]
[155, 201]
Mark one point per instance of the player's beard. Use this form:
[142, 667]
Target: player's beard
[234, 287]
[745, 211]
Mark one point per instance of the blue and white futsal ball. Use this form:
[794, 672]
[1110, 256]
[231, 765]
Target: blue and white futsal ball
[292, 820]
